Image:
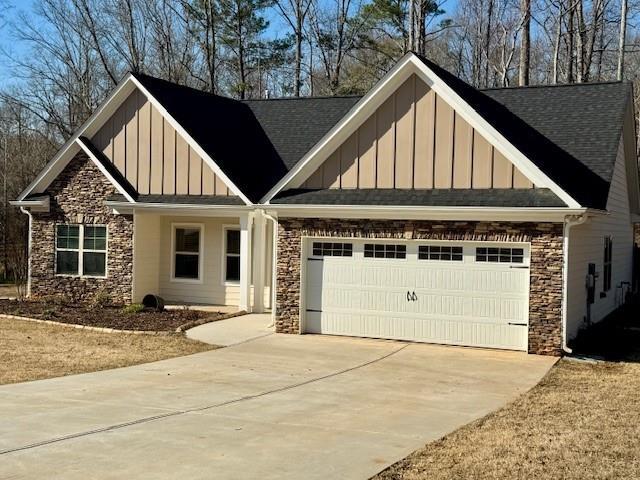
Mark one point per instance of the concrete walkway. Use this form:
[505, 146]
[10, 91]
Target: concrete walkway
[233, 330]
[277, 407]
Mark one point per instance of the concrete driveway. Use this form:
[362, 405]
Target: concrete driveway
[277, 406]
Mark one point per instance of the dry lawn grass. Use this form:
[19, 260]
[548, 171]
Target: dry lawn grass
[34, 351]
[581, 422]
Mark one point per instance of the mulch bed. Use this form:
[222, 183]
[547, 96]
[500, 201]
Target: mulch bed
[104, 316]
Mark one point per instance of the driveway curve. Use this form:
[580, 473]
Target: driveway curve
[277, 406]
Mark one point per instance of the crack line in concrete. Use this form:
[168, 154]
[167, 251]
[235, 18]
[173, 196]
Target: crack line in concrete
[199, 409]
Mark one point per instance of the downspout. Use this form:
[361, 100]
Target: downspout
[28, 213]
[569, 221]
[274, 262]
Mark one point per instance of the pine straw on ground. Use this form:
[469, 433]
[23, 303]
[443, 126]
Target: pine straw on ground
[582, 421]
[35, 351]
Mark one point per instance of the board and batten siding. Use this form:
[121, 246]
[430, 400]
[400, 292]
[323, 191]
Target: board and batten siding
[586, 245]
[152, 155]
[415, 140]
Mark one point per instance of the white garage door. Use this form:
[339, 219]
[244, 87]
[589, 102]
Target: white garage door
[458, 293]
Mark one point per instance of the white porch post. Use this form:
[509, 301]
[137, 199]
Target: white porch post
[259, 260]
[245, 262]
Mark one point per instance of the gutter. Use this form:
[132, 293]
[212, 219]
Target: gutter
[569, 221]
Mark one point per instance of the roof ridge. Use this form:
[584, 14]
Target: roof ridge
[556, 85]
[318, 97]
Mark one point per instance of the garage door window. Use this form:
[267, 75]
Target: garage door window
[500, 255]
[384, 250]
[332, 249]
[436, 252]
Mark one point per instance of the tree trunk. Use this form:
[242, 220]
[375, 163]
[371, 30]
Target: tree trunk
[525, 44]
[623, 34]
[556, 47]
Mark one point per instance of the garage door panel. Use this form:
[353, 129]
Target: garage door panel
[481, 334]
[452, 302]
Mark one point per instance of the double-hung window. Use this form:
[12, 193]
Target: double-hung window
[231, 255]
[187, 254]
[81, 250]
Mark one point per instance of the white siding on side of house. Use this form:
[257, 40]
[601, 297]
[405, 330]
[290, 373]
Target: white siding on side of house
[586, 245]
[146, 256]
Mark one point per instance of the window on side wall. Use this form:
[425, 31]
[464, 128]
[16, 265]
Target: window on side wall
[187, 252]
[232, 255]
[81, 250]
[606, 269]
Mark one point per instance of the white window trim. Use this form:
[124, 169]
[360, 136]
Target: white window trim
[200, 227]
[81, 250]
[223, 275]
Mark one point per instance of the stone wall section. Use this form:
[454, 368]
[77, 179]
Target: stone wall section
[545, 303]
[78, 196]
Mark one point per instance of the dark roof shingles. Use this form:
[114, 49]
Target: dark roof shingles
[508, 197]
[221, 200]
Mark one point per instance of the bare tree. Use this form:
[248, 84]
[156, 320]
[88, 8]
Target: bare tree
[295, 12]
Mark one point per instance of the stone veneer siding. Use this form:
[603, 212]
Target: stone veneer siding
[545, 297]
[78, 195]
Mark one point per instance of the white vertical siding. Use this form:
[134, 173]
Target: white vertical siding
[146, 258]
[586, 245]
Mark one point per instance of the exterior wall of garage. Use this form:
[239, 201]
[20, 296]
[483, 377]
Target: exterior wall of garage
[545, 302]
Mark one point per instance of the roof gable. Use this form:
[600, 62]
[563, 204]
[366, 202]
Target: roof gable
[456, 93]
[119, 101]
[416, 140]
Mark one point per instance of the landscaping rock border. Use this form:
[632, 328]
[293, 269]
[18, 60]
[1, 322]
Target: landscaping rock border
[180, 330]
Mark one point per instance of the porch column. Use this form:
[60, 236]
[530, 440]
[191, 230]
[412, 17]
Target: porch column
[245, 262]
[259, 260]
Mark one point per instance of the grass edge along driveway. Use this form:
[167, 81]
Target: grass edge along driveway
[36, 351]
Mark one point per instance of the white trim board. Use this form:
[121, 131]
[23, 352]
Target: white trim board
[408, 65]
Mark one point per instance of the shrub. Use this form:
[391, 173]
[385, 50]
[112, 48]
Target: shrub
[49, 313]
[101, 299]
[133, 308]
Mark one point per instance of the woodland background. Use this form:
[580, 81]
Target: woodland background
[73, 52]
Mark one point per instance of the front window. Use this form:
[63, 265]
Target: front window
[81, 250]
[186, 255]
[232, 255]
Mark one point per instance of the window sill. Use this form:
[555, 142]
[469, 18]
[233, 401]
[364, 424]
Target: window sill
[196, 281]
[70, 275]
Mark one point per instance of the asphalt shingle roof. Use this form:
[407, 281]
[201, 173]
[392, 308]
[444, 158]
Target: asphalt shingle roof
[221, 200]
[507, 197]
[295, 125]
[570, 132]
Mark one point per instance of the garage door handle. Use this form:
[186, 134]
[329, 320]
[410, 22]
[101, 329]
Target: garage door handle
[411, 296]
[517, 266]
[518, 324]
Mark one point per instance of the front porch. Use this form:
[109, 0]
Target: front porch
[215, 258]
